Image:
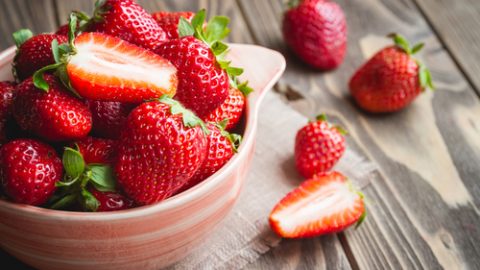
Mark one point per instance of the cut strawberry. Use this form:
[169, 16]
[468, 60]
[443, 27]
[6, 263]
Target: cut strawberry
[326, 203]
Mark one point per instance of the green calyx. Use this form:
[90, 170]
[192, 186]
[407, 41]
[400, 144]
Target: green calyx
[212, 34]
[424, 75]
[293, 3]
[21, 36]
[79, 176]
[188, 117]
[235, 139]
[323, 118]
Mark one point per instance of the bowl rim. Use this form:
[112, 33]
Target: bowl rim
[174, 201]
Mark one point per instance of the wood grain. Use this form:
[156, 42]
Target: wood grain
[456, 23]
[426, 195]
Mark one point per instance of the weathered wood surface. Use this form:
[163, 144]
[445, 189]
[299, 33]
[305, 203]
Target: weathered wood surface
[423, 210]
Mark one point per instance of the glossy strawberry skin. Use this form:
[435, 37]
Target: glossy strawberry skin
[316, 30]
[219, 152]
[168, 21]
[334, 207]
[111, 201]
[35, 54]
[318, 147]
[388, 82]
[127, 20]
[202, 84]
[157, 153]
[7, 95]
[232, 109]
[29, 170]
[63, 30]
[96, 150]
[54, 116]
[109, 117]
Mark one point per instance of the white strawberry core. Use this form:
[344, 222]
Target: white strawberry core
[127, 65]
[333, 198]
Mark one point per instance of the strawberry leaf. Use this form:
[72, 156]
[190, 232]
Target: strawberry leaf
[102, 177]
[185, 28]
[322, 117]
[21, 36]
[234, 71]
[244, 88]
[72, 26]
[55, 51]
[199, 19]
[217, 29]
[188, 117]
[73, 163]
[417, 48]
[64, 202]
[401, 42]
[90, 203]
[219, 48]
[39, 80]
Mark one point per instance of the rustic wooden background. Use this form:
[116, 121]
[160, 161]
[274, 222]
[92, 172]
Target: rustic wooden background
[424, 203]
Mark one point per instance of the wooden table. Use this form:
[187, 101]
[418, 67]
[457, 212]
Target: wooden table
[424, 202]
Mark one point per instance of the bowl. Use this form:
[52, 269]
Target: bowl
[148, 237]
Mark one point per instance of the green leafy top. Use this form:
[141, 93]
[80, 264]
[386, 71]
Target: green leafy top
[293, 3]
[424, 75]
[323, 118]
[235, 139]
[21, 36]
[188, 117]
[212, 34]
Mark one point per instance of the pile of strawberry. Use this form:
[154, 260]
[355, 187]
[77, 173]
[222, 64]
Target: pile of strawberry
[120, 109]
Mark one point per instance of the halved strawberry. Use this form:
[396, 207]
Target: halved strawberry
[326, 203]
[101, 67]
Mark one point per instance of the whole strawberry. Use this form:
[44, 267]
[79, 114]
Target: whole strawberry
[168, 21]
[203, 76]
[318, 147]
[127, 20]
[54, 115]
[95, 150]
[33, 52]
[111, 201]
[162, 146]
[7, 94]
[221, 146]
[29, 170]
[232, 108]
[391, 79]
[109, 117]
[316, 31]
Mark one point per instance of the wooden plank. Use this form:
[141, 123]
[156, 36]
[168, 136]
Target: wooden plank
[456, 23]
[38, 16]
[424, 201]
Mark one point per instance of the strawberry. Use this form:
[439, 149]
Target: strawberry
[162, 146]
[54, 115]
[29, 170]
[221, 146]
[101, 67]
[316, 31]
[95, 150]
[33, 52]
[231, 109]
[111, 201]
[63, 30]
[127, 20]
[7, 93]
[198, 54]
[327, 203]
[109, 117]
[391, 79]
[318, 147]
[168, 21]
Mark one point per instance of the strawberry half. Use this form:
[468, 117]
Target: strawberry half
[326, 203]
[101, 67]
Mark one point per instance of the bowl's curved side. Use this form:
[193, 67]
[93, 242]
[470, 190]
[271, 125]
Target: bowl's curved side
[151, 236]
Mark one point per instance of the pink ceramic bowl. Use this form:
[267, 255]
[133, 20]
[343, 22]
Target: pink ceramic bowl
[147, 237]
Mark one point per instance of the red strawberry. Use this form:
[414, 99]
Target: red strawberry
[324, 204]
[202, 73]
[316, 31]
[33, 53]
[102, 67]
[95, 150]
[111, 201]
[221, 146]
[318, 146]
[168, 21]
[127, 20]
[109, 117]
[162, 146]
[63, 30]
[29, 171]
[391, 79]
[231, 109]
[54, 115]
[7, 92]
